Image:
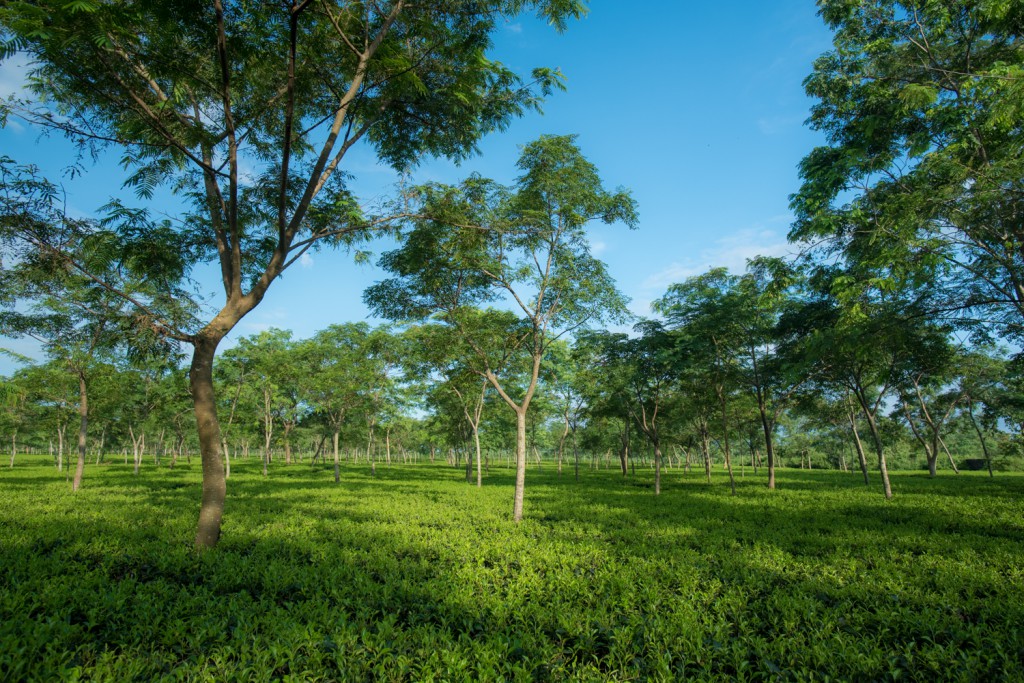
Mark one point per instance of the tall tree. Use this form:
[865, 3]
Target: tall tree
[194, 94]
[525, 245]
[922, 178]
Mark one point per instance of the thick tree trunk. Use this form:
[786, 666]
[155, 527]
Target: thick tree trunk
[211, 508]
[517, 501]
[83, 414]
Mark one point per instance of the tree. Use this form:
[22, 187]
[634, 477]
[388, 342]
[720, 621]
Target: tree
[193, 94]
[527, 246]
[922, 178]
[337, 358]
[706, 312]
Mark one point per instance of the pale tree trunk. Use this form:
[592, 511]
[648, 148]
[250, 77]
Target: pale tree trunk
[561, 441]
[576, 454]
[931, 450]
[387, 445]
[14, 447]
[337, 462]
[268, 429]
[517, 501]
[624, 453]
[952, 464]
[83, 414]
[861, 457]
[370, 456]
[103, 441]
[60, 447]
[876, 438]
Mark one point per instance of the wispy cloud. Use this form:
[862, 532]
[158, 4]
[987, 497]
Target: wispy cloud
[514, 28]
[306, 261]
[731, 252]
[597, 247]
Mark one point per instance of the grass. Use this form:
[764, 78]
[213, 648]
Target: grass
[415, 576]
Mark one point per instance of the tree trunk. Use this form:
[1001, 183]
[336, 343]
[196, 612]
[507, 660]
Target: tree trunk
[211, 507]
[882, 468]
[769, 446]
[83, 414]
[476, 443]
[517, 501]
[970, 412]
[860, 447]
[952, 464]
[657, 467]
[14, 448]
[337, 462]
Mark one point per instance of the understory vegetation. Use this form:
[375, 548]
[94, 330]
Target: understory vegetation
[412, 574]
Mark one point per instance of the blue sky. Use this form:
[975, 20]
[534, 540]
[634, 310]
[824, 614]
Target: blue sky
[697, 108]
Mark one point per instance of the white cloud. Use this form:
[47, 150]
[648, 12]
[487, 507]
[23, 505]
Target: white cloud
[731, 252]
[514, 28]
[598, 247]
[306, 261]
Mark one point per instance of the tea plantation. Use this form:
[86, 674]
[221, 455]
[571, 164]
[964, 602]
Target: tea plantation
[413, 575]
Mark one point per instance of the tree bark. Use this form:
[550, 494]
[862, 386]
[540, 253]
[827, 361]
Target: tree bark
[211, 507]
[83, 414]
[860, 447]
[337, 463]
[517, 501]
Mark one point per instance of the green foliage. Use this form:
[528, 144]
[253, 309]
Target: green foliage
[413, 576]
[920, 181]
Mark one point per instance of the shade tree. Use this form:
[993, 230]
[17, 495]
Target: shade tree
[247, 112]
[526, 246]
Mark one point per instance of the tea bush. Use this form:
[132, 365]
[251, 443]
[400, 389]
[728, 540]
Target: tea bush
[413, 575]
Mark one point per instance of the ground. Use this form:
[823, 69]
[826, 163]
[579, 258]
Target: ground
[415, 575]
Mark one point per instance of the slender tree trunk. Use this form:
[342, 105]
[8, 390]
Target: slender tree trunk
[60, 448]
[705, 448]
[576, 454]
[337, 462]
[476, 444]
[14, 448]
[517, 501]
[769, 446]
[952, 463]
[860, 447]
[83, 414]
[970, 413]
[211, 507]
[657, 466]
[882, 468]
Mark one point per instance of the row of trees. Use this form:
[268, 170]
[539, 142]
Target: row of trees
[737, 365]
[910, 216]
